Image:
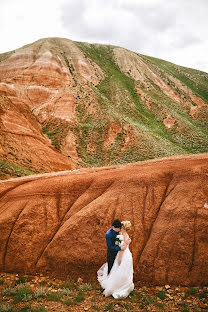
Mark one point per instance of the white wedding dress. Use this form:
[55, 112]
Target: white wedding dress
[119, 282]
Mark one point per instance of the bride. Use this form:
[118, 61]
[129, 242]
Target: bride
[119, 282]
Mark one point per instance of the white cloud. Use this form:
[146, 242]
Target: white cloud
[172, 30]
[24, 21]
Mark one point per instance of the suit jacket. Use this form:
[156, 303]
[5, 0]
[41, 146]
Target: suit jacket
[110, 240]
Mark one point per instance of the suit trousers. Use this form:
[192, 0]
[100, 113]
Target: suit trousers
[111, 255]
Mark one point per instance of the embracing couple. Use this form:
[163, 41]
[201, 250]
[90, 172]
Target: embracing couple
[116, 276]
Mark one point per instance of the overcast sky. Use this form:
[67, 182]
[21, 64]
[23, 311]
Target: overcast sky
[174, 30]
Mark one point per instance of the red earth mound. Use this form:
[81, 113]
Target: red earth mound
[56, 222]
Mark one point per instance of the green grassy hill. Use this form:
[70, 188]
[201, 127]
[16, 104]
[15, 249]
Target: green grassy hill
[127, 106]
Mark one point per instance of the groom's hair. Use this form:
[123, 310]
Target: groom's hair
[116, 223]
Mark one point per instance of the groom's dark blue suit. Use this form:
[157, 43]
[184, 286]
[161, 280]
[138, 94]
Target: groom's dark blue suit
[112, 249]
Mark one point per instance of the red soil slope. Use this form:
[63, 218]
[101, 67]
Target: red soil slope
[57, 222]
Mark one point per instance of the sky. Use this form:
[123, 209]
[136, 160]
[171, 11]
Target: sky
[174, 30]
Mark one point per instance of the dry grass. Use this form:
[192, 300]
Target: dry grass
[42, 293]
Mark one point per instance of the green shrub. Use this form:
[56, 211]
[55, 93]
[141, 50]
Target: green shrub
[66, 292]
[134, 296]
[70, 285]
[161, 294]
[202, 295]
[40, 293]
[42, 283]
[54, 296]
[23, 294]
[86, 287]
[96, 308]
[127, 307]
[192, 291]
[147, 300]
[69, 302]
[40, 309]
[108, 307]
[94, 299]
[51, 285]
[8, 291]
[21, 280]
[5, 308]
[25, 309]
[1, 282]
[79, 297]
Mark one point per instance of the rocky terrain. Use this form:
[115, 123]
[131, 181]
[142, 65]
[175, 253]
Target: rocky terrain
[56, 222]
[41, 293]
[66, 105]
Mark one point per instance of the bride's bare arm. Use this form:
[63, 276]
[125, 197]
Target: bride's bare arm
[127, 241]
[120, 256]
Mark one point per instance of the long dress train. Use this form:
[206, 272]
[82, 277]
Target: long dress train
[119, 282]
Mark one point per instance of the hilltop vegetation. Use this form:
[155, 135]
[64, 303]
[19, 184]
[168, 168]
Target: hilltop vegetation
[100, 105]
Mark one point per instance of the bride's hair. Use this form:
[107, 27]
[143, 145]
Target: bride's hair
[126, 225]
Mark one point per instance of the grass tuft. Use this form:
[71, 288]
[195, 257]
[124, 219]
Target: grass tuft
[23, 294]
[25, 308]
[96, 308]
[8, 291]
[192, 291]
[40, 293]
[202, 295]
[161, 294]
[79, 297]
[40, 309]
[108, 307]
[5, 308]
[21, 280]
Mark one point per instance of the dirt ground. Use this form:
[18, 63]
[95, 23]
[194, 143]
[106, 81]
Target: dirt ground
[38, 293]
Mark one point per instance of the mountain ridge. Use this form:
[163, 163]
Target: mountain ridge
[99, 105]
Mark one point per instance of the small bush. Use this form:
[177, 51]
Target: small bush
[42, 283]
[1, 282]
[127, 307]
[96, 308]
[202, 295]
[86, 287]
[96, 286]
[25, 309]
[40, 293]
[54, 296]
[132, 293]
[70, 285]
[69, 302]
[192, 291]
[134, 296]
[40, 309]
[5, 308]
[79, 297]
[94, 299]
[8, 291]
[184, 297]
[51, 285]
[21, 280]
[108, 307]
[66, 292]
[161, 294]
[23, 294]
[148, 300]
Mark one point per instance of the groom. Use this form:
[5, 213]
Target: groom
[112, 249]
